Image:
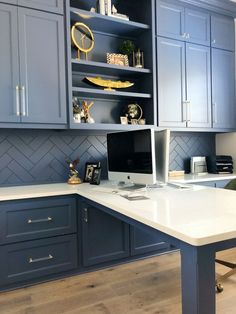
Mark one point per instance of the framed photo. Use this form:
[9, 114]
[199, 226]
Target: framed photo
[89, 168]
[117, 59]
[96, 176]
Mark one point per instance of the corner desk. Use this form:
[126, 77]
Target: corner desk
[199, 221]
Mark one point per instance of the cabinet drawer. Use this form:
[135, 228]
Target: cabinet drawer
[38, 258]
[37, 218]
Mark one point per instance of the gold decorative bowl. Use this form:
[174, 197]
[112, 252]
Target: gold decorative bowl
[108, 84]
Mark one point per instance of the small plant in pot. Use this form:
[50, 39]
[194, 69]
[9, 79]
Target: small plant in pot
[127, 47]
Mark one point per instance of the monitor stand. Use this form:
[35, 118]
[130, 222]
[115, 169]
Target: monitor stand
[130, 186]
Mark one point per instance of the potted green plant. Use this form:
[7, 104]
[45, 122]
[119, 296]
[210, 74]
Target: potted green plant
[127, 47]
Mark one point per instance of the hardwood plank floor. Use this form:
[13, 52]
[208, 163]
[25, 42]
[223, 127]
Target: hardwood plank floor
[148, 286]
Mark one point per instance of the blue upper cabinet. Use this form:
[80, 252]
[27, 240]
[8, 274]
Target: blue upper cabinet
[55, 6]
[222, 32]
[198, 80]
[170, 20]
[197, 26]
[184, 84]
[42, 67]
[32, 62]
[9, 65]
[223, 89]
[171, 82]
[177, 22]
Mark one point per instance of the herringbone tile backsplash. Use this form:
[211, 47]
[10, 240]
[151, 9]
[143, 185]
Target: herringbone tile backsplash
[38, 156]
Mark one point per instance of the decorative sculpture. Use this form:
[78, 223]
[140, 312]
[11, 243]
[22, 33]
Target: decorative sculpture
[74, 174]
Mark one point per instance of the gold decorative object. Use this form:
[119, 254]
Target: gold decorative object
[108, 84]
[74, 174]
[86, 111]
[82, 38]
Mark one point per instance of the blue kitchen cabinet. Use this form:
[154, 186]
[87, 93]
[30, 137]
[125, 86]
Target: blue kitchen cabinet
[9, 64]
[42, 67]
[187, 24]
[184, 86]
[223, 89]
[222, 32]
[104, 238]
[55, 6]
[142, 242]
[198, 86]
[171, 82]
[32, 62]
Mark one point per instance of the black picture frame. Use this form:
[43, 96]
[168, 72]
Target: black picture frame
[89, 167]
[96, 177]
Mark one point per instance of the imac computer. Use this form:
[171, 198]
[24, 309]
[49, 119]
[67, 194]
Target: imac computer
[140, 157]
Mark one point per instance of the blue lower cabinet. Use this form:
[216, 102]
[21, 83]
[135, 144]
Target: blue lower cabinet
[24, 220]
[104, 238]
[142, 242]
[33, 259]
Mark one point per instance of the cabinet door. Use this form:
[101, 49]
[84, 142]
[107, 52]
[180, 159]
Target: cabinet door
[42, 67]
[105, 238]
[55, 6]
[198, 78]
[222, 32]
[197, 26]
[143, 242]
[9, 64]
[223, 95]
[170, 20]
[171, 82]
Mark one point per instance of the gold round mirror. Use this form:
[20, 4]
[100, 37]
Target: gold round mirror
[82, 38]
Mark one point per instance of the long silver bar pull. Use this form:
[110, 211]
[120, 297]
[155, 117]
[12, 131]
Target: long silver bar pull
[23, 101]
[18, 100]
[41, 259]
[31, 221]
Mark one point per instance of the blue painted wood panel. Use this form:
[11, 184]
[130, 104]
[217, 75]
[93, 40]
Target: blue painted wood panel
[198, 79]
[171, 82]
[55, 6]
[222, 32]
[25, 220]
[9, 64]
[42, 67]
[197, 26]
[104, 237]
[170, 20]
[223, 89]
[142, 242]
[39, 258]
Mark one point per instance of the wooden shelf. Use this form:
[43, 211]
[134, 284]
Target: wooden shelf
[105, 68]
[107, 24]
[91, 92]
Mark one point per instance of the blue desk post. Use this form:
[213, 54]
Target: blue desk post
[198, 279]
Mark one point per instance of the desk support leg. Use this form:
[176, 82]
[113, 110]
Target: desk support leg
[198, 280]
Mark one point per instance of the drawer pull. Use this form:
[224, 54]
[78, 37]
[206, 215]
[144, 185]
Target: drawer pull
[31, 221]
[36, 260]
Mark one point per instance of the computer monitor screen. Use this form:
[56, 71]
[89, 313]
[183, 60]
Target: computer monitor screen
[133, 156]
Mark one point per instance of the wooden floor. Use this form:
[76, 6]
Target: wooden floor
[147, 286]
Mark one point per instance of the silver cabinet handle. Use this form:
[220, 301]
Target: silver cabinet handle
[17, 100]
[86, 215]
[187, 36]
[23, 101]
[183, 35]
[41, 259]
[31, 221]
[214, 108]
[213, 41]
[188, 110]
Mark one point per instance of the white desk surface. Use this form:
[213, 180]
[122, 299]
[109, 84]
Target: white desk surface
[191, 178]
[198, 216]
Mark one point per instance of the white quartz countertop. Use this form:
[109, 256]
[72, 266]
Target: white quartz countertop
[195, 178]
[198, 216]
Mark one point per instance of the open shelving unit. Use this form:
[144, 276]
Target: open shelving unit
[109, 32]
